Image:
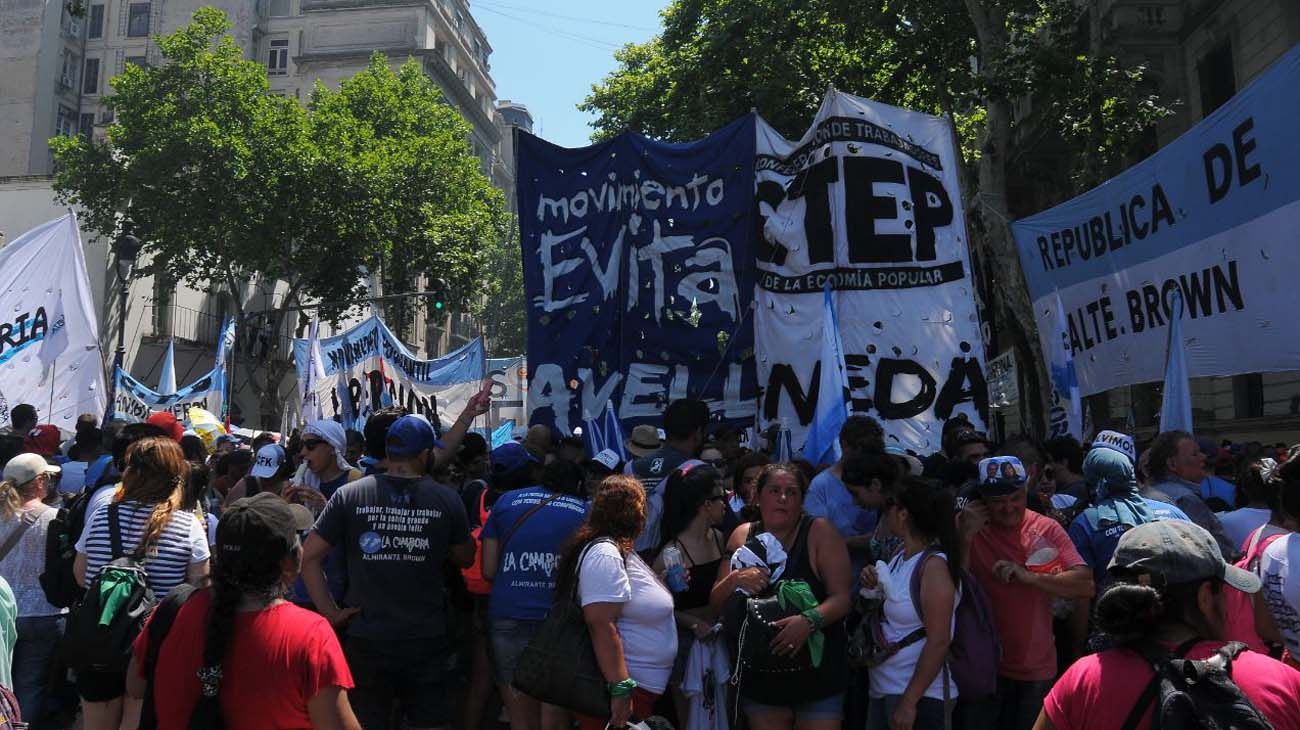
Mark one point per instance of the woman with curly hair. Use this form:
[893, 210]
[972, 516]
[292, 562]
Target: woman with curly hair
[239, 655]
[146, 513]
[628, 611]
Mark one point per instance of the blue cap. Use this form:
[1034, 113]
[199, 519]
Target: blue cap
[408, 436]
[510, 457]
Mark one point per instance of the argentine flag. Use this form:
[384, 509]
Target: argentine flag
[822, 444]
[1176, 405]
[1065, 380]
[604, 432]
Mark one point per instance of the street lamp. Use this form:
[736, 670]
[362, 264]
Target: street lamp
[126, 248]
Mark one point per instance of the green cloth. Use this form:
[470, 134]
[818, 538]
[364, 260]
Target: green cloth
[115, 587]
[8, 632]
[798, 594]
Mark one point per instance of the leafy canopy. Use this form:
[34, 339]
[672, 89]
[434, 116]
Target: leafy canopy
[227, 181]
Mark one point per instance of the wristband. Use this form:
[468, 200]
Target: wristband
[622, 689]
[814, 618]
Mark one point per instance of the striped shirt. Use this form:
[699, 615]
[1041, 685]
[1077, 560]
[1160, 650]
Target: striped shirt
[183, 541]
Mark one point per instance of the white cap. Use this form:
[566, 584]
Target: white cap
[268, 461]
[25, 467]
[608, 459]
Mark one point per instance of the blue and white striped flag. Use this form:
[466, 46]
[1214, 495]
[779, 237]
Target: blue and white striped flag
[167, 378]
[784, 450]
[604, 432]
[822, 444]
[1176, 406]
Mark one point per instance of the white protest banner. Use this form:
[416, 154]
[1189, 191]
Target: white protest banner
[509, 376]
[134, 401]
[1213, 216]
[868, 199]
[44, 293]
[379, 371]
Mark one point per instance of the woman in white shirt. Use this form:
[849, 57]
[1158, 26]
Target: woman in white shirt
[629, 612]
[908, 689]
[1277, 605]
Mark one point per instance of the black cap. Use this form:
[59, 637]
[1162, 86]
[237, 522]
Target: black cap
[260, 527]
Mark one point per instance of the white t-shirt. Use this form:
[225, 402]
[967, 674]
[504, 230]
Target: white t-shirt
[646, 624]
[1239, 523]
[708, 668]
[900, 619]
[1280, 592]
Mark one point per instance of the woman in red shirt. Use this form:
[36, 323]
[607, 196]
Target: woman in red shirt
[265, 662]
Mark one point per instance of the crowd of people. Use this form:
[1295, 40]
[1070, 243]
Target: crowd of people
[401, 577]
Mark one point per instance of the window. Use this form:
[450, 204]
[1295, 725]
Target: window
[137, 61]
[279, 8]
[1248, 395]
[137, 24]
[68, 75]
[1217, 79]
[90, 79]
[87, 126]
[1152, 15]
[96, 25]
[65, 123]
[277, 61]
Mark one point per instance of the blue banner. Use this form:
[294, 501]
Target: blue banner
[133, 401]
[1211, 217]
[639, 274]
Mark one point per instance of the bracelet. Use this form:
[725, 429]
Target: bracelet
[622, 689]
[814, 618]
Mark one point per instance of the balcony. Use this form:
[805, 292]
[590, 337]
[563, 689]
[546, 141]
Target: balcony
[202, 329]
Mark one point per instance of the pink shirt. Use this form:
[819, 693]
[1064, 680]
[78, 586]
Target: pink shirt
[1023, 613]
[1099, 690]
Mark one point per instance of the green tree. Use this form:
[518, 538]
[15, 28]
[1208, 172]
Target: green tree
[228, 183]
[505, 312]
[970, 60]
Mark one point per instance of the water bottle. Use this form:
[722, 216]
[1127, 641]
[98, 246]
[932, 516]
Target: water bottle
[675, 569]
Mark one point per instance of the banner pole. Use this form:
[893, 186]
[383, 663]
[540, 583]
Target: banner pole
[54, 371]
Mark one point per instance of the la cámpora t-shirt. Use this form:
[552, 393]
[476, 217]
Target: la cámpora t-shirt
[524, 586]
[647, 625]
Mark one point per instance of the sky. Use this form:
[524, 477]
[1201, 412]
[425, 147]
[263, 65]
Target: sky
[547, 54]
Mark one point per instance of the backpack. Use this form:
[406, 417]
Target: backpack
[474, 581]
[105, 624]
[57, 581]
[1195, 693]
[11, 715]
[974, 653]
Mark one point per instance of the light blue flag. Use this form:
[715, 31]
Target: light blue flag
[604, 432]
[225, 340]
[1066, 418]
[822, 445]
[784, 454]
[1176, 408]
[503, 433]
[167, 379]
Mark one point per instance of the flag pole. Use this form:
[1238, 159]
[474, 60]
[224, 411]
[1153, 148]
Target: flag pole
[54, 368]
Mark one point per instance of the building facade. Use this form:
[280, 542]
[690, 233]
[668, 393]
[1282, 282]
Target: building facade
[56, 59]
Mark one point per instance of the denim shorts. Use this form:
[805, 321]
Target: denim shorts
[508, 637]
[827, 708]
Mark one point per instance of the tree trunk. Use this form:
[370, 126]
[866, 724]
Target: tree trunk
[1017, 309]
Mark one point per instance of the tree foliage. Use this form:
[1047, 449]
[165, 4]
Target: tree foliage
[505, 312]
[1041, 108]
[229, 183]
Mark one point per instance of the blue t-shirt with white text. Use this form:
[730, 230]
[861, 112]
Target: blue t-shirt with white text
[525, 580]
[1097, 546]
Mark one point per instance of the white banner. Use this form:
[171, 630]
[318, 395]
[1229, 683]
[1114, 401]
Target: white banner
[134, 401]
[868, 198]
[1212, 216]
[45, 295]
[367, 368]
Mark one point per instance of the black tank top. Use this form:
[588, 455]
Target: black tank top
[819, 682]
[703, 576]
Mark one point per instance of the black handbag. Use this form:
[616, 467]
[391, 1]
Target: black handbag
[559, 665]
[754, 632]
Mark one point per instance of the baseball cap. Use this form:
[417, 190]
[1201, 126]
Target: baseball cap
[1169, 552]
[1000, 475]
[44, 440]
[645, 440]
[409, 435]
[25, 467]
[511, 457]
[608, 460]
[166, 420]
[1116, 441]
[268, 461]
[260, 527]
